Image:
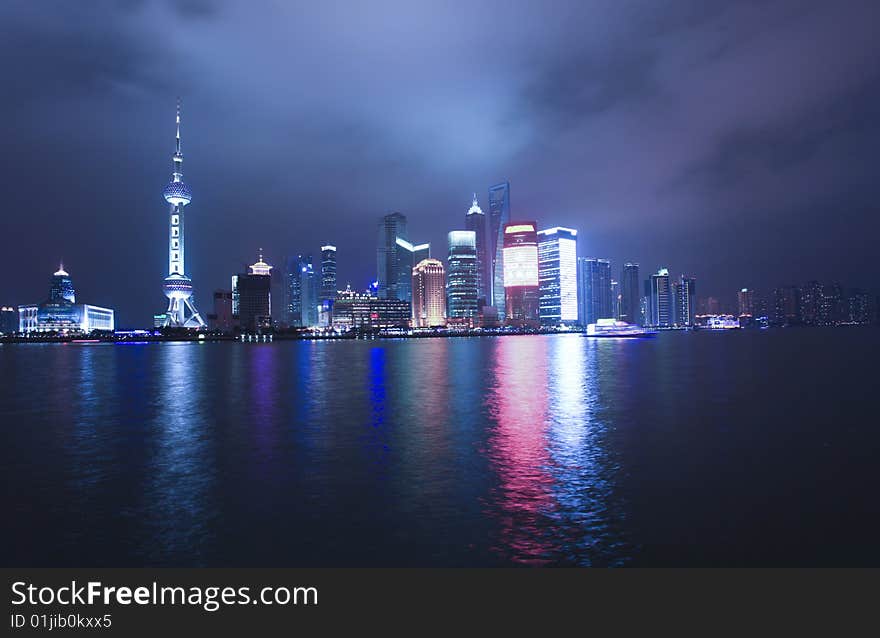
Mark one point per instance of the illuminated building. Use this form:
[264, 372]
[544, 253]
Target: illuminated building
[685, 301]
[61, 287]
[395, 258]
[630, 299]
[428, 294]
[309, 289]
[253, 295]
[746, 302]
[8, 320]
[59, 313]
[661, 303]
[811, 303]
[859, 307]
[557, 276]
[463, 274]
[499, 216]
[178, 287]
[520, 267]
[291, 311]
[615, 299]
[221, 319]
[366, 311]
[594, 290]
[328, 273]
[475, 220]
[786, 306]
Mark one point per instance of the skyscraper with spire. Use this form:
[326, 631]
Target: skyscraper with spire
[475, 221]
[178, 287]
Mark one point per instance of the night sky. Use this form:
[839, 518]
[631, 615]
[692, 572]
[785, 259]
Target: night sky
[734, 141]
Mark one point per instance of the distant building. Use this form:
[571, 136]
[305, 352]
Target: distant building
[787, 306]
[499, 217]
[291, 314]
[746, 299]
[221, 318]
[462, 275]
[475, 221]
[630, 296]
[60, 313]
[253, 294]
[860, 307]
[615, 299]
[811, 303]
[8, 320]
[353, 310]
[395, 258]
[557, 276]
[429, 294]
[520, 267]
[328, 272]
[685, 301]
[594, 290]
[309, 290]
[661, 299]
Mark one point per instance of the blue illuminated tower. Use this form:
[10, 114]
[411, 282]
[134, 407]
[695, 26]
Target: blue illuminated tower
[178, 287]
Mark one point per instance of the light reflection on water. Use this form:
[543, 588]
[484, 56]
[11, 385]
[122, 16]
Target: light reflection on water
[522, 450]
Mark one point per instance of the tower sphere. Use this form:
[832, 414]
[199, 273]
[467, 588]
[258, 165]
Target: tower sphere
[177, 194]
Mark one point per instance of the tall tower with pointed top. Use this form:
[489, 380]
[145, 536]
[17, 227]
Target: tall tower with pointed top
[178, 287]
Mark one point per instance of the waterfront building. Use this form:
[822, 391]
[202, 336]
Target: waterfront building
[8, 320]
[291, 314]
[834, 309]
[499, 217]
[520, 268]
[746, 299]
[685, 301]
[859, 305]
[253, 294]
[661, 300]
[328, 273]
[462, 287]
[594, 290]
[181, 312]
[60, 313]
[557, 276]
[630, 298]
[395, 258]
[354, 310]
[309, 289]
[221, 320]
[787, 306]
[615, 299]
[428, 294]
[475, 221]
[811, 303]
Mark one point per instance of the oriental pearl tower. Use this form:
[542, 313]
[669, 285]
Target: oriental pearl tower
[178, 287]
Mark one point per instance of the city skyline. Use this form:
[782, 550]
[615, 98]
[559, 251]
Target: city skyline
[729, 196]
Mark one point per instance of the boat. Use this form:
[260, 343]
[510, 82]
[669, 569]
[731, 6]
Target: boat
[611, 328]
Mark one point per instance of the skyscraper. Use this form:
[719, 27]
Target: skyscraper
[462, 275]
[685, 301]
[252, 295]
[396, 256]
[499, 216]
[787, 306]
[594, 290]
[328, 273]
[661, 299]
[309, 291]
[520, 268]
[557, 276]
[429, 294]
[475, 220]
[292, 311]
[178, 287]
[630, 297]
[746, 300]
[61, 287]
[811, 303]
